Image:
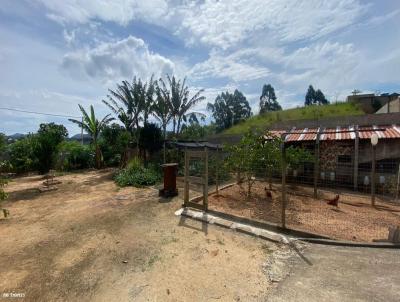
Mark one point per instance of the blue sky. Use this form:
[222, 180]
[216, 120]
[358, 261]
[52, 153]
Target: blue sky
[56, 54]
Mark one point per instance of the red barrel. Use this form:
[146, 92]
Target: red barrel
[170, 171]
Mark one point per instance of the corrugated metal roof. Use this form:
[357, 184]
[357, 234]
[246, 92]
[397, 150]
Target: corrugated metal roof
[338, 133]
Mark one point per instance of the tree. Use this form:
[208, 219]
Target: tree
[320, 98]
[310, 96]
[93, 127]
[150, 138]
[162, 108]
[3, 196]
[315, 97]
[268, 100]
[180, 103]
[113, 142]
[229, 109]
[21, 154]
[48, 137]
[244, 157]
[3, 141]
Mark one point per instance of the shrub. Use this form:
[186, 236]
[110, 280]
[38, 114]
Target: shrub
[113, 143]
[48, 137]
[72, 155]
[136, 175]
[150, 138]
[21, 154]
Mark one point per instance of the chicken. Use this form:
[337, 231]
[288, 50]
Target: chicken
[334, 201]
[268, 193]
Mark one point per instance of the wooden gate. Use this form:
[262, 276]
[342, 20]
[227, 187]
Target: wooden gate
[203, 180]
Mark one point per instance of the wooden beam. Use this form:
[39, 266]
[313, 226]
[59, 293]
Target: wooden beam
[373, 175]
[196, 180]
[196, 154]
[205, 179]
[186, 179]
[216, 172]
[194, 205]
[316, 164]
[356, 154]
[283, 214]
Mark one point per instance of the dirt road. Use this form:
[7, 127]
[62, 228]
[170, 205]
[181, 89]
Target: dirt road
[90, 241]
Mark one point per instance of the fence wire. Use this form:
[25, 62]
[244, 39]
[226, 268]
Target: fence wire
[327, 195]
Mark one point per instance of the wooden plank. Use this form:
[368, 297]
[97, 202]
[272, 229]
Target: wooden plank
[283, 213]
[356, 154]
[316, 163]
[186, 185]
[216, 172]
[196, 154]
[194, 205]
[196, 180]
[206, 179]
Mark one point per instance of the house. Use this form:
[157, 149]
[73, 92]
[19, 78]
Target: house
[345, 154]
[371, 103]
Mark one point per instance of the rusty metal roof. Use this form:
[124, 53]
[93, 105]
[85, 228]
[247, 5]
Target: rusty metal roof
[338, 133]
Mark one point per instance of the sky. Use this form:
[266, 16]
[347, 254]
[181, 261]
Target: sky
[56, 54]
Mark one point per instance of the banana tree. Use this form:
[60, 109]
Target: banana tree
[93, 127]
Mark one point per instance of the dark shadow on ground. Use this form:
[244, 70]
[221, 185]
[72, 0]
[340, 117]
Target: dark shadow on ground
[204, 225]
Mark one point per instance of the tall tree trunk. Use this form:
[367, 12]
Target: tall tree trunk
[165, 137]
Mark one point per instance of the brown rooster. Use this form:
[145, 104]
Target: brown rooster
[334, 201]
[268, 193]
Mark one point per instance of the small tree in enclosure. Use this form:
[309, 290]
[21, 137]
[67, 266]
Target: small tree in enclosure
[252, 154]
[270, 155]
[295, 156]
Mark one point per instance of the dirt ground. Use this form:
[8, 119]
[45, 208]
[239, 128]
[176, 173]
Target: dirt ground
[354, 219]
[91, 241]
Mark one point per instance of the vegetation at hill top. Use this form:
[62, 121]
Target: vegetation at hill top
[263, 121]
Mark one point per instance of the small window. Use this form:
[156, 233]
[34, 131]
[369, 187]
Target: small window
[344, 159]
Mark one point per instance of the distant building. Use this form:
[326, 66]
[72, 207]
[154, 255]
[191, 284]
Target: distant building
[390, 107]
[371, 103]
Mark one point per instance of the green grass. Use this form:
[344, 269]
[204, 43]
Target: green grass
[304, 113]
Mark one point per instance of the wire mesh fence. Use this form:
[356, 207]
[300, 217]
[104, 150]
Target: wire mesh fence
[329, 191]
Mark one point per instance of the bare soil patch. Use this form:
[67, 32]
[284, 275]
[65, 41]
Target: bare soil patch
[354, 219]
[92, 241]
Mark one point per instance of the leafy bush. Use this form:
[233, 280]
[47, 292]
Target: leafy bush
[72, 155]
[136, 175]
[150, 138]
[47, 139]
[113, 143]
[21, 154]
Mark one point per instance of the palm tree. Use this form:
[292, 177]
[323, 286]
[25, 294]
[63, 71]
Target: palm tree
[161, 110]
[93, 127]
[179, 100]
[147, 106]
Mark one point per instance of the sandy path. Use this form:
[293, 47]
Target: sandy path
[90, 241]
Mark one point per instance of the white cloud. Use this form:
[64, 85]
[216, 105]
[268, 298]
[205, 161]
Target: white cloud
[113, 61]
[327, 65]
[224, 23]
[118, 11]
[236, 66]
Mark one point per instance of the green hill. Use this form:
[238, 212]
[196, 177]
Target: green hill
[304, 113]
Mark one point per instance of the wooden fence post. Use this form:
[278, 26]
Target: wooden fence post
[205, 193]
[216, 172]
[186, 179]
[356, 154]
[316, 164]
[373, 175]
[283, 215]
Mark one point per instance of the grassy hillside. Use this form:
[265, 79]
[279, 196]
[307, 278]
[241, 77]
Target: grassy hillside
[304, 113]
